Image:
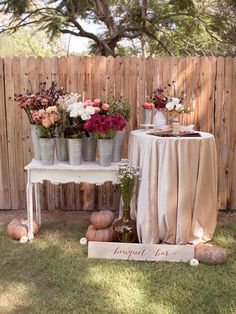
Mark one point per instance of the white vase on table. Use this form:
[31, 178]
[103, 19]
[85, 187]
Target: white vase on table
[159, 120]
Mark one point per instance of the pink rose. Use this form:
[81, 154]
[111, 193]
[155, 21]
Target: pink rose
[148, 105]
[105, 107]
[97, 109]
[89, 103]
[97, 101]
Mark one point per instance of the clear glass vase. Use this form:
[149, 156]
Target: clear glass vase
[174, 122]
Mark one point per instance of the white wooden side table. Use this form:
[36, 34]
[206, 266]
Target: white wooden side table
[62, 172]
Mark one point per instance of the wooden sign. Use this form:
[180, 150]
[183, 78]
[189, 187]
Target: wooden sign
[140, 252]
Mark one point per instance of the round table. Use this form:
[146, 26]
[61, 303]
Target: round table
[177, 195]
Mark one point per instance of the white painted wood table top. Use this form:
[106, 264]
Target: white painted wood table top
[177, 198]
[62, 172]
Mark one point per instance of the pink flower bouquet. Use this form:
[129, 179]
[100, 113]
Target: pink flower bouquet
[105, 127]
[148, 105]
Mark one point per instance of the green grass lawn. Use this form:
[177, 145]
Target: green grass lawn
[53, 275]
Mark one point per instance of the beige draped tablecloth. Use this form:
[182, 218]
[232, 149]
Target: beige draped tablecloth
[177, 194]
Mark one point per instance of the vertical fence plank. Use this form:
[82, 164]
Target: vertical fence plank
[5, 193]
[189, 88]
[118, 68]
[62, 77]
[141, 87]
[110, 76]
[102, 77]
[79, 73]
[181, 66]
[149, 76]
[166, 74]
[133, 93]
[18, 149]
[232, 164]
[196, 90]
[95, 77]
[202, 113]
[219, 94]
[226, 134]
[87, 78]
[211, 94]
[11, 132]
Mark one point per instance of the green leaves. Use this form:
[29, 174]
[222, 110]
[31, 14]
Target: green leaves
[16, 7]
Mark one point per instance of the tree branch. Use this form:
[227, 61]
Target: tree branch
[158, 40]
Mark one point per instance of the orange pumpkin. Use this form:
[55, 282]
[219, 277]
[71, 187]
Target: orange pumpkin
[102, 219]
[18, 228]
[101, 235]
[35, 225]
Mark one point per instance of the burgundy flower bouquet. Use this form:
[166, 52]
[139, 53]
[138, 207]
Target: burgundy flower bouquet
[105, 127]
[41, 100]
[73, 131]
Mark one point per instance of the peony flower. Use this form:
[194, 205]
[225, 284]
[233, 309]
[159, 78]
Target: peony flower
[88, 102]
[105, 107]
[75, 113]
[46, 123]
[85, 116]
[51, 109]
[175, 100]
[76, 105]
[97, 109]
[179, 107]
[97, 101]
[170, 106]
[90, 110]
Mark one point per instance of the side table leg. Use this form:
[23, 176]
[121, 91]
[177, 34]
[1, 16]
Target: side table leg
[37, 203]
[29, 196]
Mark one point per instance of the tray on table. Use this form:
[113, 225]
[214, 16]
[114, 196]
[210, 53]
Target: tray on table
[171, 134]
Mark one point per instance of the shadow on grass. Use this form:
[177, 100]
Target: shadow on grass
[53, 275]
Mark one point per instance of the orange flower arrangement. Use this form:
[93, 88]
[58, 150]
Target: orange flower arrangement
[47, 120]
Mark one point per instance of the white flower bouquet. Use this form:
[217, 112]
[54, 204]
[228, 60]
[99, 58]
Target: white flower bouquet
[127, 175]
[81, 110]
[165, 99]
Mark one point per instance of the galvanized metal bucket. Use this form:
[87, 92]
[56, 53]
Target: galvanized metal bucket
[47, 147]
[62, 149]
[89, 147]
[118, 145]
[35, 140]
[75, 146]
[105, 148]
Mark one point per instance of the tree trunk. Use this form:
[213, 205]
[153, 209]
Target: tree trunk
[108, 49]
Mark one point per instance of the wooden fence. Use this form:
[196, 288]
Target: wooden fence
[209, 84]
